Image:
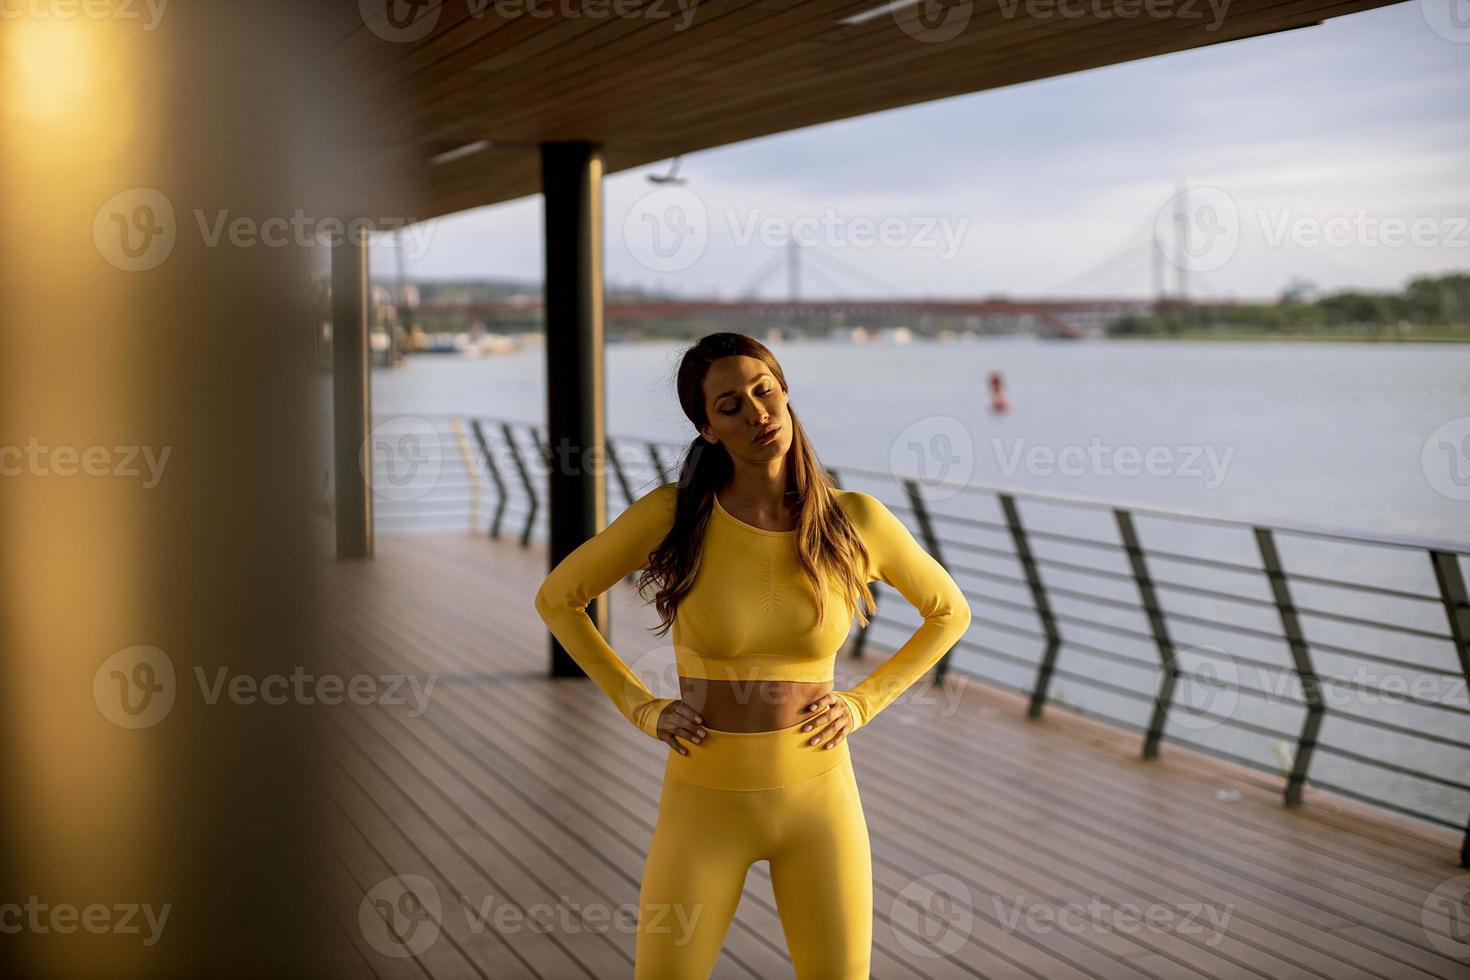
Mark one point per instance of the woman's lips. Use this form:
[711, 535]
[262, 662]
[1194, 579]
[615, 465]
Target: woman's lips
[767, 435]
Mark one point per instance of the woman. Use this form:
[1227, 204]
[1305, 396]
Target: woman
[758, 564]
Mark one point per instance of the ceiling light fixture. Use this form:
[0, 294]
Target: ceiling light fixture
[878, 11]
[459, 152]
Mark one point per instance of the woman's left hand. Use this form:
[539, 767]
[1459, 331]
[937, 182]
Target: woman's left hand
[831, 719]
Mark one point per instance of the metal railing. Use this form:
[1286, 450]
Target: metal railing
[1146, 578]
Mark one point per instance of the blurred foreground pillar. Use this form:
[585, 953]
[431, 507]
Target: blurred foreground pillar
[160, 448]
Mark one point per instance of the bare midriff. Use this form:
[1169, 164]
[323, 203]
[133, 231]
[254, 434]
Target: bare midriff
[750, 706]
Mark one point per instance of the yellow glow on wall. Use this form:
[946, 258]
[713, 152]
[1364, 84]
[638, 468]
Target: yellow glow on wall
[49, 67]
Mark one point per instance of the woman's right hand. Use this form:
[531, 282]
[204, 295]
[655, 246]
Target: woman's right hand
[677, 721]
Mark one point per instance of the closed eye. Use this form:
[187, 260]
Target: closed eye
[736, 408]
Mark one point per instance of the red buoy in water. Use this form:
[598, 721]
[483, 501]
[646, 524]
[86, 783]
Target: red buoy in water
[998, 402]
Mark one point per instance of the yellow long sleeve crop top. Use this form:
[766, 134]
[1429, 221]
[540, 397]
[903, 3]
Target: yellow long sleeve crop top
[751, 613]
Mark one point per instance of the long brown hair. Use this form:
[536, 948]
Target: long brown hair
[828, 546]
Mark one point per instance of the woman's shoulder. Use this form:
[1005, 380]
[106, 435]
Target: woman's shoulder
[859, 506]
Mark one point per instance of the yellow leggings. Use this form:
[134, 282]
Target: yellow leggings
[742, 797]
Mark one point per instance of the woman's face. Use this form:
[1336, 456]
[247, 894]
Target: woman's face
[742, 398]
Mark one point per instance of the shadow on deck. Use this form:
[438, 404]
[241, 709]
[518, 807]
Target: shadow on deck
[1002, 847]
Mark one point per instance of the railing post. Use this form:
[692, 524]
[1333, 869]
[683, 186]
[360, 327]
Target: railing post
[617, 468]
[1457, 610]
[931, 543]
[658, 464]
[494, 470]
[1301, 658]
[1157, 625]
[515, 455]
[1038, 599]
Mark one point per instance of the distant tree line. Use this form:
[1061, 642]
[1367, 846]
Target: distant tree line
[1429, 307]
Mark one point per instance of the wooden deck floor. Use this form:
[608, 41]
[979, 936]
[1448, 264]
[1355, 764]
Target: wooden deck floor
[1002, 847]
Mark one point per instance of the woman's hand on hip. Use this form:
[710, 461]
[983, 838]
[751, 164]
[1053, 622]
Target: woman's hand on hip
[677, 721]
[830, 718]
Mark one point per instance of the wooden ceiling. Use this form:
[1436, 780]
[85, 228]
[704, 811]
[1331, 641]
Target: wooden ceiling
[649, 79]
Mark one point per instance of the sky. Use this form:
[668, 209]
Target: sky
[1337, 154]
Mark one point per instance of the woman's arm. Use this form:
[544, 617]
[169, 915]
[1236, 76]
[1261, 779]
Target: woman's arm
[590, 570]
[896, 558]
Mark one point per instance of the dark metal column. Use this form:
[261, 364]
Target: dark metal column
[352, 396]
[571, 183]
